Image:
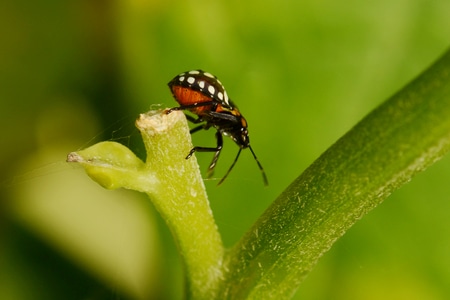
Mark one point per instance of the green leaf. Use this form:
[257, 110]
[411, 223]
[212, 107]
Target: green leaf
[385, 150]
[111, 165]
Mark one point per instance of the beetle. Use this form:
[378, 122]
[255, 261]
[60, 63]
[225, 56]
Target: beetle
[203, 94]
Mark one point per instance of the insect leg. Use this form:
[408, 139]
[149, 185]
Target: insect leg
[193, 120]
[195, 129]
[184, 107]
[212, 165]
[210, 149]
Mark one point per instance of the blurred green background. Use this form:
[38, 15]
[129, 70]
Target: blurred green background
[73, 73]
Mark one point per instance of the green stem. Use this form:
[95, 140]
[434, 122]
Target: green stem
[175, 187]
[385, 150]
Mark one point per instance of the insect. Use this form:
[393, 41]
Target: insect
[203, 94]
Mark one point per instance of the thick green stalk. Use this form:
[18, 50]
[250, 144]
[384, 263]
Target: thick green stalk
[386, 149]
[175, 187]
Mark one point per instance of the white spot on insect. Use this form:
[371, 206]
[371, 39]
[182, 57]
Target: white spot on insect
[194, 72]
[209, 75]
[220, 95]
[226, 98]
[211, 90]
[181, 78]
[201, 84]
[191, 80]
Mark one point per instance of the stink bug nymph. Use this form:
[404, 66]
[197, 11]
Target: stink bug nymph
[203, 94]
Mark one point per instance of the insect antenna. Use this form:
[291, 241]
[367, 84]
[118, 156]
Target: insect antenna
[229, 170]
[266, 182]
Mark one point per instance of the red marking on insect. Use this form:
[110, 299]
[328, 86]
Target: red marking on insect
[203, 94]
